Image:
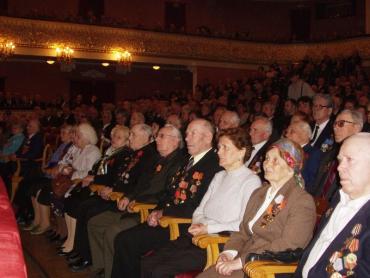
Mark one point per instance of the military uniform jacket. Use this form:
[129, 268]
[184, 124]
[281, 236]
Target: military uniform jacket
[291, 227]
[141, 163]
[107, 170]
[187, 188]
[355, 249]
[153, 184]
[31, 148]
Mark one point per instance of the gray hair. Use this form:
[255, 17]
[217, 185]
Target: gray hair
[88, 132]
[327, 98]
[356, 117]
[305, 127]
[234, 117]
[177, 133]
[122, 128]
[146, 129]
[267, 124]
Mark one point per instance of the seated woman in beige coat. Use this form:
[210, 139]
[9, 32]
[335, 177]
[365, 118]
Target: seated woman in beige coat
[279, 215]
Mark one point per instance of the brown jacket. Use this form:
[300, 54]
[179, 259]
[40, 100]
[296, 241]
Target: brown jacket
[292, 227]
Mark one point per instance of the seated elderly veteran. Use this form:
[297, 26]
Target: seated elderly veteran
[88, 153]
[280, 215]
[186, 190]
[221, 209]
[326, 184]
[300, 133]
[151, 186]
[30, 150]
[341, 246]
[10, 147]
[41, 202]
[141, 162]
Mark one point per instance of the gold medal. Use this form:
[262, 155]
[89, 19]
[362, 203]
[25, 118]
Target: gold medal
[336, 275]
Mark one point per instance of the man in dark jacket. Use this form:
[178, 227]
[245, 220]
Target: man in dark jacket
[341, 247]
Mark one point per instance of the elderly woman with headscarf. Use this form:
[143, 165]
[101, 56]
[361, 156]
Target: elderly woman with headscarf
[279, 216]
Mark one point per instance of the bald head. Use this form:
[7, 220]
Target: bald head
[199, 136]
[354, 165]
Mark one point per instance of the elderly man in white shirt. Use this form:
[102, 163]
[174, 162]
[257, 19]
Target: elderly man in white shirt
[341, 247]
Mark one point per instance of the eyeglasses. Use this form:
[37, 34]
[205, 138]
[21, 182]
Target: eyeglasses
[319, 106]
[341, 123]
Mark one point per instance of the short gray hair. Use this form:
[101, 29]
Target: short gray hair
[355, 115]
[267, 124]
[88, 132]
[327, 98]
[177, 133]
[234, 117]
[147, 129]
[305, 127]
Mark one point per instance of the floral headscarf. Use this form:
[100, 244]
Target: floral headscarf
[293, 154]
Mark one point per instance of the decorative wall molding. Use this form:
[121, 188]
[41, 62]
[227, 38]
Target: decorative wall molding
[31, 35]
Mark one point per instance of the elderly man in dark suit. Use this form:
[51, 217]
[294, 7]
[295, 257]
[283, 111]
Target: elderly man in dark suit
[322, 109]
[300, 133]
[341, 247]
[347, 123]
[186, 190]
[260, 132]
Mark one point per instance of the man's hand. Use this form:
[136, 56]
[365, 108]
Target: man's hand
[198, 229]
[87, 180]
[130, 206]
[122, 204]
[104, 193]
[153, 218]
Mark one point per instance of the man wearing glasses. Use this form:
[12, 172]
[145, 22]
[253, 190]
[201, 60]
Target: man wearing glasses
[321, 111]
[347, 123]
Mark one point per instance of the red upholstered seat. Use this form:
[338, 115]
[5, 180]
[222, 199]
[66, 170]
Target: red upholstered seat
[12, 261]
[190, 274]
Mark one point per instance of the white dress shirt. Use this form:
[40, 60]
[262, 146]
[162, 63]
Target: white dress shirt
[222, 207]
[321, 128]
[343, 213]
[255, 150]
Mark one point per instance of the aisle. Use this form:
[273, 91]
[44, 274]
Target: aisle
[42, 261]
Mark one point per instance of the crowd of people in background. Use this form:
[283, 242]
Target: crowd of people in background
[275, 137]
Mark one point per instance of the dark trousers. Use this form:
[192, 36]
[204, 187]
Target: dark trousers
[130, 245]
[85, 211]
[176, 257]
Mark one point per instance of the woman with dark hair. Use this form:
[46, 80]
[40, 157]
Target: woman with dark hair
[221, 208]
[280, 215]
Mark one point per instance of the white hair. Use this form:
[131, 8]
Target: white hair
[88, 133]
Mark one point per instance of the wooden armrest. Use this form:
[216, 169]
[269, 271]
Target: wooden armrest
[173, 224]
[116, 196]
[96, 187]
[268, 269]
[143, 209]
[211, 243]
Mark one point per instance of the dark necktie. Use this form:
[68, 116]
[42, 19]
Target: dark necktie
[314, 134]
[190, 163]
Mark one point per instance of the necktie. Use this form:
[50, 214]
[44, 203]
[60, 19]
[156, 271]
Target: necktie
[315, 133]
[190, 163]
